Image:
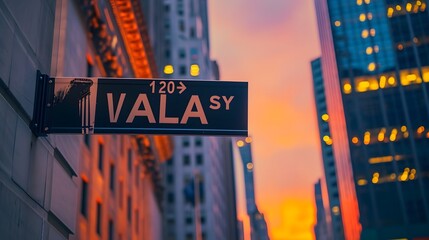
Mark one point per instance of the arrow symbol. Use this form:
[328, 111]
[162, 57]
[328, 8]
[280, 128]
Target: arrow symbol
[181, 88]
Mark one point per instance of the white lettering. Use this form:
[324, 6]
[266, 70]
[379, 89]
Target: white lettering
[113, 116]
[195, 100]
[142, 98]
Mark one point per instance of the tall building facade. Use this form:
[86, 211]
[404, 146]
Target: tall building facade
[375, 59]
[64, 186]
[322, 229]
[258, 225]
[203, 164]
[328, 185]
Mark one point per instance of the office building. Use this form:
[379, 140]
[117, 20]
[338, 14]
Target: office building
[322, 230]
[328, 186]
[74, 186]
[258, 225]
[375, 61]
[200, 190]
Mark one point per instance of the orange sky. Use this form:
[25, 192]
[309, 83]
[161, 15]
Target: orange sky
[270, 44]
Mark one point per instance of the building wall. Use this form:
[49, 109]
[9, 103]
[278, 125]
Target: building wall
[38, 184]
[329, 184]
[42, 178]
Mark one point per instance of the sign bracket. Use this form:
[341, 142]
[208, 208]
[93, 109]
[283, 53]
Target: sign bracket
[42, 101]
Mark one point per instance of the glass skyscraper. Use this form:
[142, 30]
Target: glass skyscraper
[375, 60]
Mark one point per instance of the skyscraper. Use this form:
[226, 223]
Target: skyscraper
[258, 225]
[375, 61]
[328, 186]
[202, 164]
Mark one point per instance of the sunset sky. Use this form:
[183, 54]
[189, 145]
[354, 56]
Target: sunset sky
[270, 44]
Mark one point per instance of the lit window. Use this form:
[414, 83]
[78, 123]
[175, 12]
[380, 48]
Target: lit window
[381, 135]
[390, 12]
[362, 182]
[249, 166]
[347, 87]
[335, 210]
[369, 16]
[420, 130]
[168, 69]
[375, 177]
[409, 7]
[248, 140]
[359, 2]
[398, 7]
[325, 117]
[372, 32]
[371, 67]
[369, 50]
[337, 23]
[364, 33]
[376, 49]
[240, 143]
[367, 1]
[383, 80]
[355, 140]
[366, 138]
[362, 17]
[391, 81]
[393, 135]
[400, 47]
[403, 128]
[194, 70]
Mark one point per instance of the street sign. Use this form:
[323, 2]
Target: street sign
[133, 106]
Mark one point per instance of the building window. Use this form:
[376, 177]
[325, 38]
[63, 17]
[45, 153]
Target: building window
[137, 175]
[182, 53]
[188, 220]
[100, 156]
[170, 197]
[198, 142]
[121, 194]
[186, 160]
[186, 142]
[111, 229]
[182, 25]
[189, 236]
[137, 220]
[182, 70]
[129, 208]
[84, 199]
[170, 178]
[192, 32]
[112, 177]
[130, 160]
[87, 140]
[199, 159]
[166, 8]
[98, 216]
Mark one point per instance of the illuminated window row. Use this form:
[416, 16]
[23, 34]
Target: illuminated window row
[363, 17]
[406, 175]
[360, 2]
[409, 7]
[417, 41]
[388, 135]
[372, 83]
[194, 70]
